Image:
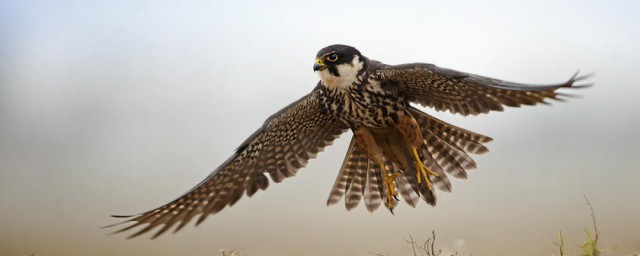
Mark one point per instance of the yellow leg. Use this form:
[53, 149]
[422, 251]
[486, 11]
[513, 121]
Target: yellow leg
[389, 182]
[422, 170]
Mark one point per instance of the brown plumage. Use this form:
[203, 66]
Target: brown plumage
[397, 150]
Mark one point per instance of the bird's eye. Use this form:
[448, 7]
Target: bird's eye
[332, 57]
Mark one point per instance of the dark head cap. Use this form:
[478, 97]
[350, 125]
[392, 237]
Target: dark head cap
[334, 55]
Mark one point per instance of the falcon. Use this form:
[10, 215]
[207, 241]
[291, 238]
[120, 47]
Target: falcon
[396, 150]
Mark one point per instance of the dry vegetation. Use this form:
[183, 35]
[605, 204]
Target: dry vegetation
[428, 248]
[590, 247]
[233, 252]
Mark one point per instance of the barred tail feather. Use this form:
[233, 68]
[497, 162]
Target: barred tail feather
[373, 193]
[355, 190]
[340, 185]
[445, 151]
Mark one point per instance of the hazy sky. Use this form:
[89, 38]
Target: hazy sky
[117, 107]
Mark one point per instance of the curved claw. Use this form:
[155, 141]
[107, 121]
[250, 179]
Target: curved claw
[390, 187]
[422, 171]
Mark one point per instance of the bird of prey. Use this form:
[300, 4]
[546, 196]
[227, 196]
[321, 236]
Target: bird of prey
[396, 150]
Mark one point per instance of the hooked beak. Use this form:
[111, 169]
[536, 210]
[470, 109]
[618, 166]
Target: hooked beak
[319, 65]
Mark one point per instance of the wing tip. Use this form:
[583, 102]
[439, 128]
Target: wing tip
[124, 216]
[575, 78]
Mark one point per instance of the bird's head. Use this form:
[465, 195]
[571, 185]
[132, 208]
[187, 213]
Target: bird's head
[339, 65]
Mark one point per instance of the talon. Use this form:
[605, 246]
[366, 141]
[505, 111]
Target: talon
[422, 170]
[389, 181]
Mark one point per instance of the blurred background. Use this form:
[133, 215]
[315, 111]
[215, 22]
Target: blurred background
[117, 107]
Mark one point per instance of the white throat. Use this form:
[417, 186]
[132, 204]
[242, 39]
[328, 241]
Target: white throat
[348, 74]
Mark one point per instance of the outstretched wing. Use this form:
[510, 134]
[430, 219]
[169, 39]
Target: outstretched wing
[282, 146]
[463, 93]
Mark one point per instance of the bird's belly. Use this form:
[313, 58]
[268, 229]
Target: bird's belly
[393, 146]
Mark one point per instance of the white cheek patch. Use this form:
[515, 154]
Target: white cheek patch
[349, 71]
[348, 74]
